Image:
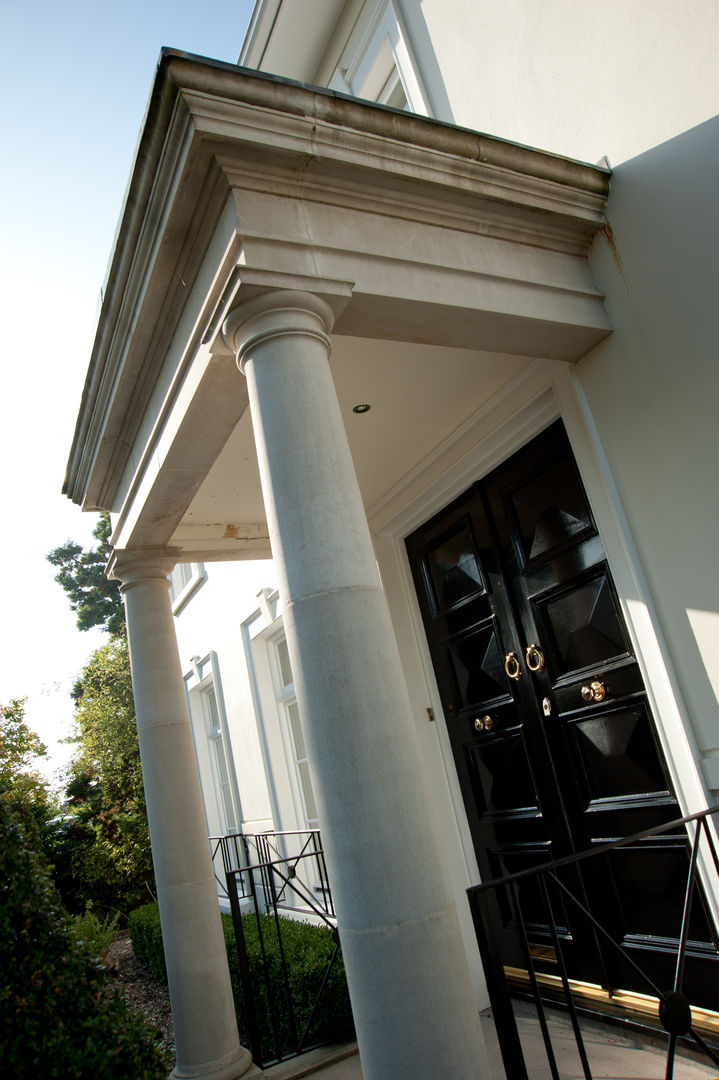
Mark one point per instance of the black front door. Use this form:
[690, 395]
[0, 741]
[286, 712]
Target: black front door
[553, 738]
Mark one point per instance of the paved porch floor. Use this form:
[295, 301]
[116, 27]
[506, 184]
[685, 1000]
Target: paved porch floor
[613, 1055]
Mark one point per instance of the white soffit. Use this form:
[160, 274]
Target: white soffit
[419, 396]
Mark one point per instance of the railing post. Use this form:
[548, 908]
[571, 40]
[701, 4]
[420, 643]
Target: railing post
[253, 1031]
[499, 996]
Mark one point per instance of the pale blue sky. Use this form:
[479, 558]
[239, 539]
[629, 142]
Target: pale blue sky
[74, 81]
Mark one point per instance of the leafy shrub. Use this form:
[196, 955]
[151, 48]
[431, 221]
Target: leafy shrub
[146, 938]
[93, 936]
[58, 1015]
[307, 950]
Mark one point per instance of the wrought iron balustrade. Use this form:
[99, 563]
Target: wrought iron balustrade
[555, 888]
[267, 877]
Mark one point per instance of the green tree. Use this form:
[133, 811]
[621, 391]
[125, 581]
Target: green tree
[102, 850]
[96, 600]
[19, 748]
[111, 864]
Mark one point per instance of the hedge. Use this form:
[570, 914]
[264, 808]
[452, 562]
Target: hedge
[58, 1015]
[307, 950]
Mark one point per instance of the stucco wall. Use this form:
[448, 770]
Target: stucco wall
[653, 391]
[574, 77]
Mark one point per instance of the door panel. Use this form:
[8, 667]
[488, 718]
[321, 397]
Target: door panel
[553, 738]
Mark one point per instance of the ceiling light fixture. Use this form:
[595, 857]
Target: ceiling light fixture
[363, 408]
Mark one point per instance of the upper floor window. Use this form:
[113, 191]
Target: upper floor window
[378, 65]
[185, 579]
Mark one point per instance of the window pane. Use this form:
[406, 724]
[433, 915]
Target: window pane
[396, 97]
[220, 759]
[284, 659]
[307, 792]
[294, 715]
[212, 714]
[229, 808]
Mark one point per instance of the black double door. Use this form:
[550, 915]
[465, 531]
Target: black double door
[553, 738]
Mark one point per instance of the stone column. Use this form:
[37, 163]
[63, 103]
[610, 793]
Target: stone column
[206, 1036]
[412, 997]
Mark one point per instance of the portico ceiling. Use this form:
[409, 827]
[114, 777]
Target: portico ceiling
[419, 395]
[451, 260]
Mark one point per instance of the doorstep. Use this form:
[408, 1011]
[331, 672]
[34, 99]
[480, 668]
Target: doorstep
[614, 1053]
[340, 1060]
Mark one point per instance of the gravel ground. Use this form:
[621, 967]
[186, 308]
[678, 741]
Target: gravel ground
[142, 992]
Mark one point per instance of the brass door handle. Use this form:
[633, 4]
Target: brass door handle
[595, 691]
[484, 723]
[511, 666]
[534, 657]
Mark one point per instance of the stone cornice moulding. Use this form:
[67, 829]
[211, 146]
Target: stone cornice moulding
[210, 124]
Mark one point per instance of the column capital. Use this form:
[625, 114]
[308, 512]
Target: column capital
[277, 313]
[132, 565]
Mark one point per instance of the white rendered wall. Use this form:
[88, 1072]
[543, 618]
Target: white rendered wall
[575, 77]
[652, 389]
[211, 621]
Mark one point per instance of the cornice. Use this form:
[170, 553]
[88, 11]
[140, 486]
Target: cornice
[211, 127]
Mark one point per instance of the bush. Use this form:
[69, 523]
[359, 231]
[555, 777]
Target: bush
[93, 936]
[146, 938]
[307, 949]
[58, 1015]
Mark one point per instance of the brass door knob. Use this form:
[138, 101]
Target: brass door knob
[534, 657]
[511, 666]
[595, 691]
[484, 723]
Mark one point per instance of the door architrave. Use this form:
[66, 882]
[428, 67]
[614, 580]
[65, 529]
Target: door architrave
[545, 392]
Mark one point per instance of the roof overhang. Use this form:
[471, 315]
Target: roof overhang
[443, 236]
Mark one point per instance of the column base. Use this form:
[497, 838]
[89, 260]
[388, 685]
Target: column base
[232, 1067]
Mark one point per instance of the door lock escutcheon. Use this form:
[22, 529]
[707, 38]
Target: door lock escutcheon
[595, 691]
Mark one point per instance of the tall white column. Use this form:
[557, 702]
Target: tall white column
[411, 993]
[203, 1013]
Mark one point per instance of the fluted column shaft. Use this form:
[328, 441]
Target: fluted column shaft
[203, 1013]
[411, 993]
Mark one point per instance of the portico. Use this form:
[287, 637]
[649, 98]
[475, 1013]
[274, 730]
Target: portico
[328, 248]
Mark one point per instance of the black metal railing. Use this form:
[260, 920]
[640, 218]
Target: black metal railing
[266, 878]
[497, 910]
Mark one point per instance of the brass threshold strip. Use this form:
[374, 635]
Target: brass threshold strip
[641, 1008]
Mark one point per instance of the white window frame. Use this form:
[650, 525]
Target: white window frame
[262, 633]
[212, 738]
[286, 698]
[379, 61]
[185, 579]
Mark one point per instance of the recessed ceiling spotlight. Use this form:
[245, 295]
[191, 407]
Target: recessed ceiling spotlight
[364, 407]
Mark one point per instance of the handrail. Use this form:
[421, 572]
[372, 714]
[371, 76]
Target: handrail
[674, 1008]
[600, 849]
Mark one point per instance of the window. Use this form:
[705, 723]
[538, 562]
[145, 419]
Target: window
[278, 717]
[185, 579]
[292, 730]
[378, 66]
[218, 759]
[212, 746]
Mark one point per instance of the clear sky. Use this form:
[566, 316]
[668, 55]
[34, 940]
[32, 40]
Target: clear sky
[74, 80]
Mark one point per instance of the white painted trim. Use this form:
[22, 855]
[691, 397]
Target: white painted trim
[382, 48]
[204, 674]
[197, 577]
